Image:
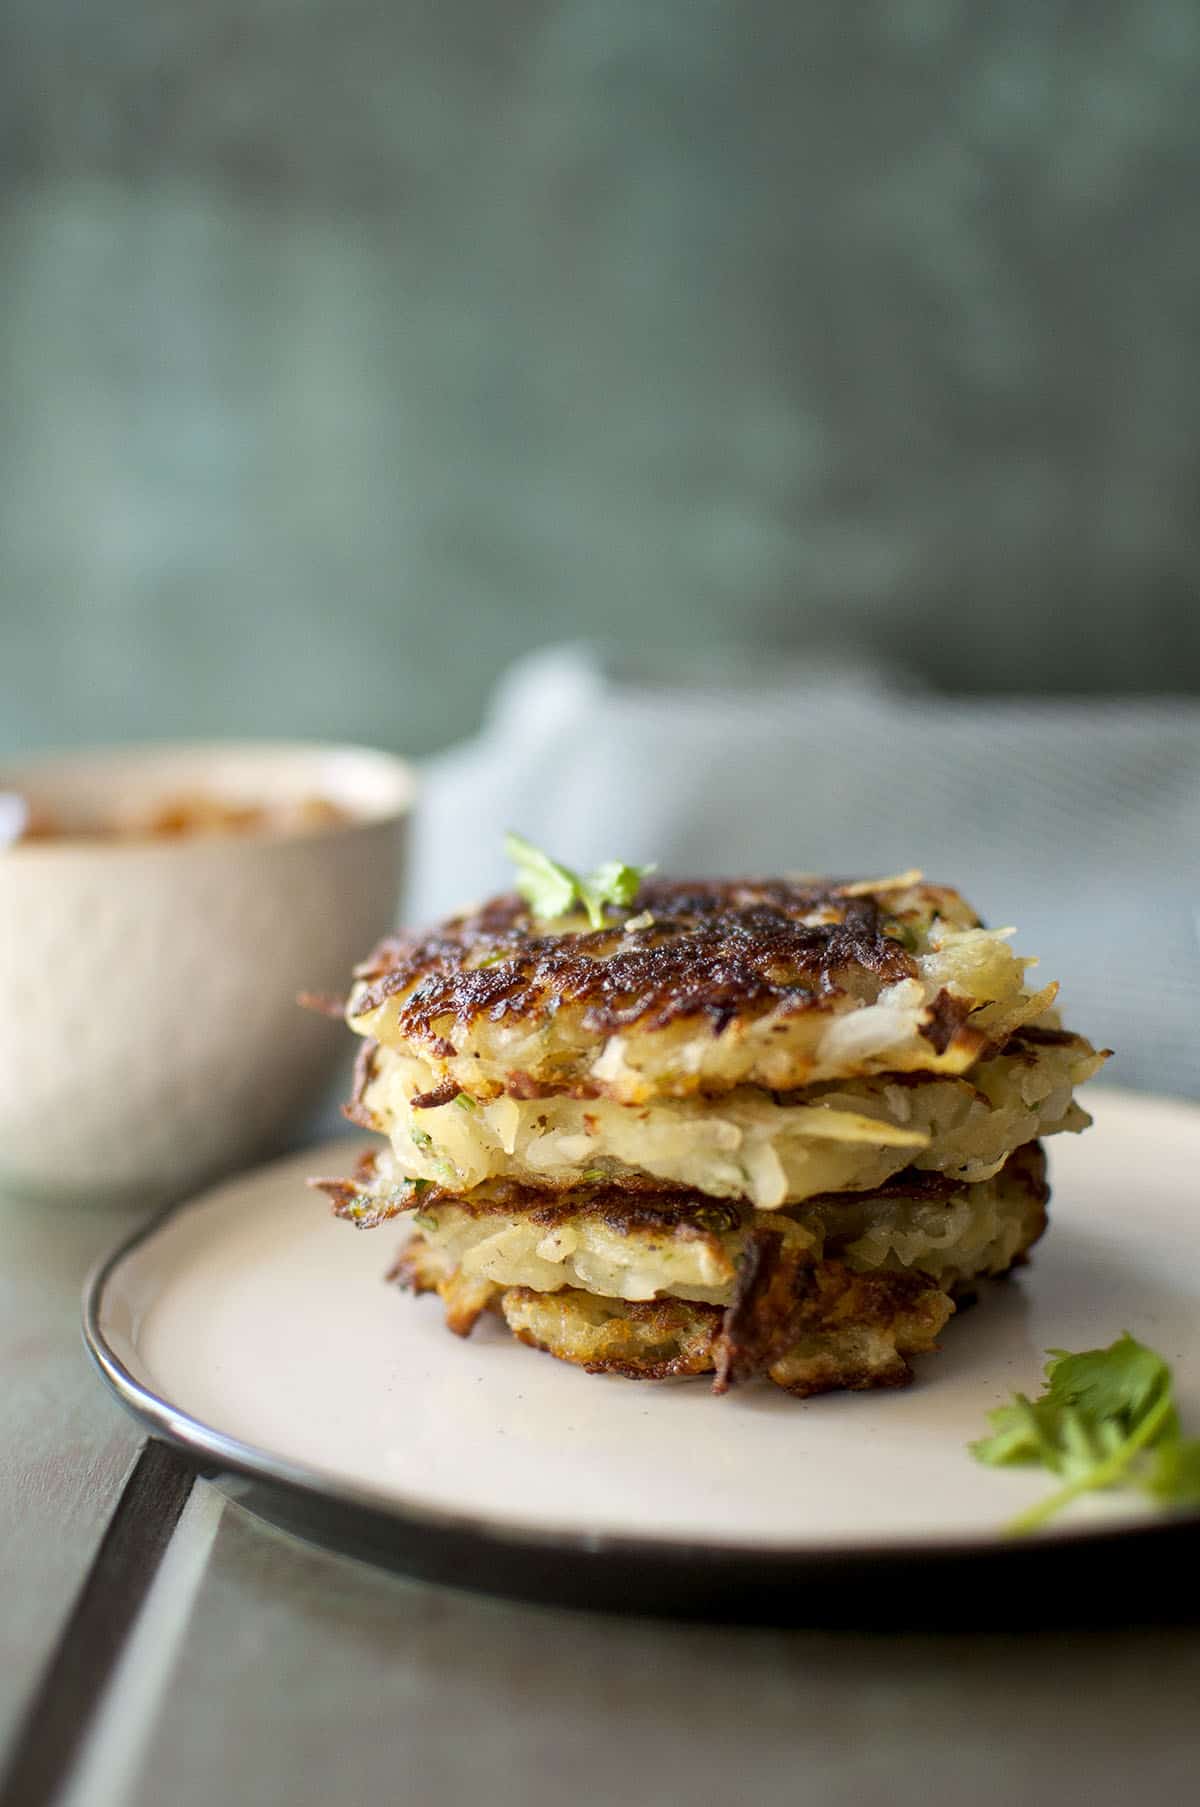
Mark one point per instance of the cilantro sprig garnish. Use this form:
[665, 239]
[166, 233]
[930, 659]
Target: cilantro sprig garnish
[1107, 1418]
[552, 890]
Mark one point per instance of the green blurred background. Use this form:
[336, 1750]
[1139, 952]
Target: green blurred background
[347, 352]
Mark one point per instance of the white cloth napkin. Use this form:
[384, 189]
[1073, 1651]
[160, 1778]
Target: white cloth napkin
[1077, 821]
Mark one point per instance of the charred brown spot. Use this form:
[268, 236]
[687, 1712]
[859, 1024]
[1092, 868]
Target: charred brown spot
[526, 1087]
[445, 1093]
[946, 1016]
[1043, 1038]
[714, 950]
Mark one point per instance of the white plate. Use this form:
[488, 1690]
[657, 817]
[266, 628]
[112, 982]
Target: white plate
[255, 1329]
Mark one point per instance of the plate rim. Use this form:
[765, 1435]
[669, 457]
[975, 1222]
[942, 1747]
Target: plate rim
[337, 1511]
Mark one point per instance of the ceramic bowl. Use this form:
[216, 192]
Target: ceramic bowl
[150, 1036]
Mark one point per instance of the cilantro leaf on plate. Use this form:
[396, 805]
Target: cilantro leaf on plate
[1107, 1417]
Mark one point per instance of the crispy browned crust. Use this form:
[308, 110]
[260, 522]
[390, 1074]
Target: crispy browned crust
[910, 1182]
[816, 1326]
[620, 1208]
[809, 1329]
[714, 949]
[810, 1094]
[652, 1339]
[635, 1204]
[643, 1203]
[420, 1269]
[852, 1331]
[756, 1328]
[360, 1200]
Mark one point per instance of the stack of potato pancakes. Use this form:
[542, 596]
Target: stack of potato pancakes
[744, 1127]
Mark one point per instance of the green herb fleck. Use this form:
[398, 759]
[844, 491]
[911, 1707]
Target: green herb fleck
[421, 1138]
[552, 890]
[1106, 1418]
[465, 1102]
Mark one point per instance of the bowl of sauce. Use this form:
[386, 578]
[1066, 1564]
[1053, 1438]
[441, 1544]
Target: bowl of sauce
[161, 908]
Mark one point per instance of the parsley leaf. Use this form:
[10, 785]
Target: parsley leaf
[548, 888]
[1101, 1415]
[613, 882]
[553, 890]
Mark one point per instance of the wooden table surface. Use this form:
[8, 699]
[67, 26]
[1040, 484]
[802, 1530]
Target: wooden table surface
[174, 1649]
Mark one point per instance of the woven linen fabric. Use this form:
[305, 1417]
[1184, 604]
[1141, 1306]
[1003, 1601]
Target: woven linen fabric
[1076, 821]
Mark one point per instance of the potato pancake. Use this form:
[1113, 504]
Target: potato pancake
[770, 1148]
[747, 1128]
[776, 983]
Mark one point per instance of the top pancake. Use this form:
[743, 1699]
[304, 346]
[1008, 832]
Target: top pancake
[699, 986]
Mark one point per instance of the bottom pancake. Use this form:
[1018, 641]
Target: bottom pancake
[810, 1329]
[837, 1293]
